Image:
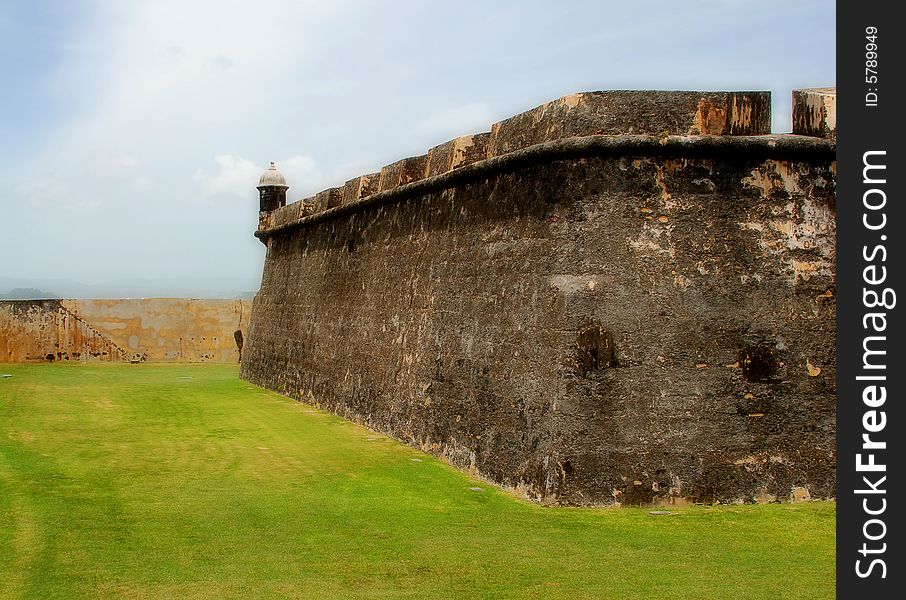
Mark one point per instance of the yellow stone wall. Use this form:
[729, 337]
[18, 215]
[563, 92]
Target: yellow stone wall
[132, 329]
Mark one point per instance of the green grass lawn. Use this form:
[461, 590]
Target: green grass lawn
[164, 481]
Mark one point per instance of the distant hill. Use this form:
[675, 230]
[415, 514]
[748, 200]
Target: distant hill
[27, 294]
[201, 287]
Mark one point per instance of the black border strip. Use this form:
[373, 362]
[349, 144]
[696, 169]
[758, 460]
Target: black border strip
[869, 119]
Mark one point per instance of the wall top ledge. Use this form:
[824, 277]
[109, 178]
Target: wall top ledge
[779, 146]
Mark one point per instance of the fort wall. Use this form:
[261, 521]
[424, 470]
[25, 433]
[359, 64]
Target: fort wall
[138, 330]
[618, 297]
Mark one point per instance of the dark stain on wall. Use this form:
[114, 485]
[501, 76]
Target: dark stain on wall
[625, 329]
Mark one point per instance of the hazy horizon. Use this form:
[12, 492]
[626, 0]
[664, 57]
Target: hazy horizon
[134, 133]
[173, 287]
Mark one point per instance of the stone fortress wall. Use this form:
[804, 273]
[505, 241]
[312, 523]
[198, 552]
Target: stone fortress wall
[135, 329]
[614, 298]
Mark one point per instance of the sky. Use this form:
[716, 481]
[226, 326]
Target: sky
[133, 133]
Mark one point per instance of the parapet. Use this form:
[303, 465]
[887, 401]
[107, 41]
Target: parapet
[815, 112]
[631, 118]
[613, 298]
[634, 112]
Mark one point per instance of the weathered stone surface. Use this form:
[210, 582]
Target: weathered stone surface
[370, 184]
[597, 328]
[582, 114]
[264, 220]
[458, 152]
[402, 172]
[287, 214]
[271, 198]
[329, 198]
[360, 187]
[319, 201]
[815, 112]
[140, 329]
[633, 112]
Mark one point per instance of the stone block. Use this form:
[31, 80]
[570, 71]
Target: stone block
[815, 112]
[284, 214]
[402, 172]
[456, 153]
[360, 187]
[370, 184]
[328, 198]
[635, 112]
[295, 211]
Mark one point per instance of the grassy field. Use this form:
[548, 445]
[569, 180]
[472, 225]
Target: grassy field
[144, 481]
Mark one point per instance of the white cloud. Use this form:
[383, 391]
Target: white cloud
[233, 176]
[165, 113]
[172, 108]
